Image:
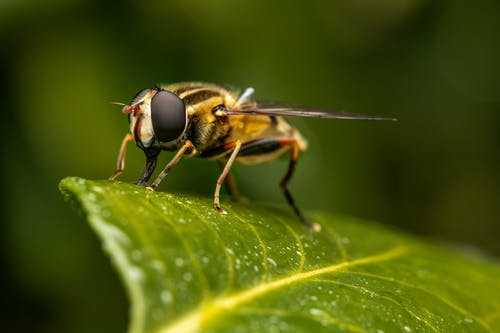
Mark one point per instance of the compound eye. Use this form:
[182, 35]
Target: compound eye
[168, 115]
[140, 95]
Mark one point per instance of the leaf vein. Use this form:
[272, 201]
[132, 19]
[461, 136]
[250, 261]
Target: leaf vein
[425, 290]
[265, 276]
[325, 318]
[298, 240]
[192, 321]
[192, 256]
[338, 240]
[390, 299]
[229, 258]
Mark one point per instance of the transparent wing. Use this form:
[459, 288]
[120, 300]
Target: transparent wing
[274, 109]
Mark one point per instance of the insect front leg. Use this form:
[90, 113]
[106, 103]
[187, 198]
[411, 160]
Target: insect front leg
[170, 165]
[151, 158]
[235, 146]
[284, 182]
[120, 164]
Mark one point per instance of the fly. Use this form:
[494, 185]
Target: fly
[211, 121]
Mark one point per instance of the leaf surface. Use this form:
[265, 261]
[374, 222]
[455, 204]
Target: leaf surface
[188, 269]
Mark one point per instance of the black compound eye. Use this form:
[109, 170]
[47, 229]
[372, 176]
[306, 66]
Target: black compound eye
[140, 95]
[168, 115]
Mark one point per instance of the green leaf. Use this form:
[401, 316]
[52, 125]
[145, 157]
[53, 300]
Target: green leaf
[257, 269]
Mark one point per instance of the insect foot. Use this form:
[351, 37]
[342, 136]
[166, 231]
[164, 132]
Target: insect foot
[150, 188]
[220, 210]
[315, 227]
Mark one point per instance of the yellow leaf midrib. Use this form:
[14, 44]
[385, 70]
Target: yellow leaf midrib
[192, 321]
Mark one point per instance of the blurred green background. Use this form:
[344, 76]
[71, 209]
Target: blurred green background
[435, 65]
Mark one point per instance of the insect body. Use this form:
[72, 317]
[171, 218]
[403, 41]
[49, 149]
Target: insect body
[211, 121]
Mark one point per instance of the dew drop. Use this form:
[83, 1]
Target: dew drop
[188, 276]
[166, 296]
[179, 262]
[271, 260]
[157, 265]
[135, 273]
[97, 189]
[407, 329]
[468, 320]
[318, 312]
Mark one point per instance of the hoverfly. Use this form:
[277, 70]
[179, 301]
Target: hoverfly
[211, 121]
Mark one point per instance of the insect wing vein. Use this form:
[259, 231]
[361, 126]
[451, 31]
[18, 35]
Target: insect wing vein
[291, 111]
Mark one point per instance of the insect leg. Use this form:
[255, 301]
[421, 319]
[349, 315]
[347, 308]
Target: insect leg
[151, 158]
[284, 182]
[235, 146]
[170, 165]
[120, 164]
[230, 183]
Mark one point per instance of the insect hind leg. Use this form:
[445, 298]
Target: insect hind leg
[286, 179]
